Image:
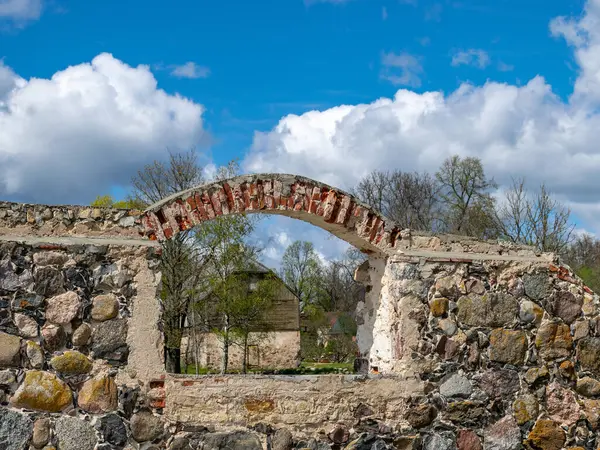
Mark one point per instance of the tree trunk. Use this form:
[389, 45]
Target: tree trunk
[225, 357]
[245, 362]
[173, 360]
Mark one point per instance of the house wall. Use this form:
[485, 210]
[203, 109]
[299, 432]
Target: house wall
[276, 350]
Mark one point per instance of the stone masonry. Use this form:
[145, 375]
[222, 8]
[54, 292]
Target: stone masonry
[464, 344]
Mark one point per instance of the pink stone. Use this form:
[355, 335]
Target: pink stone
[468, 440]
[562, 405]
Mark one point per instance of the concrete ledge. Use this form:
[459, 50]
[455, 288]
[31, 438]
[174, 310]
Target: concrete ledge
[67, 241]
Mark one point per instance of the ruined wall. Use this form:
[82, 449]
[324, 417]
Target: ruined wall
[507, 346]
[71, 319]
[21, 219]
[469, 345]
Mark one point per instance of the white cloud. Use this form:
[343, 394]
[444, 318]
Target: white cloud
[472, 57]
[275, 233]
[401, 69]
[503, 67]
[20, 10]
[190, 70]
[8, 82]
[90, 126]
[584, 36]
[384, 13]
[523, 130]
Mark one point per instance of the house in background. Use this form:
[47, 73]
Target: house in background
[276, 346]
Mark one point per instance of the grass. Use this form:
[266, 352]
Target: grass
[306, 368]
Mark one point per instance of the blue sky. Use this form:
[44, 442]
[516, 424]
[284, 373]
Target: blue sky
[331, 89]
[266, 59]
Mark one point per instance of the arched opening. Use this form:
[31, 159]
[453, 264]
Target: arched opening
[323, 206]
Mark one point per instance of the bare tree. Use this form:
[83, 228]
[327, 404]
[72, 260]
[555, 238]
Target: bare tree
[374, 190]
[408, 198]
[179, 260]
[161, 179]
[584, 250]
[535, 219]
[583, 255]
[511, 214]
[186, 256]
[465, 194]
[551, 229]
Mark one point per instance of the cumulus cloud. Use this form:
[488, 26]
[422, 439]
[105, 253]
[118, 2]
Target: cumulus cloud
[471, 57]
[275, 233]
[190, 70]
[20, 10]
[516, 130]
[90, 126]
[401, 69]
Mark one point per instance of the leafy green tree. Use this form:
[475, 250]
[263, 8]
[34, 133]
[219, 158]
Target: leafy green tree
[103, 201]
[248, 310]
[225, 253]
[106, 201]
[302, 271]
[188, 256]
[316, 323]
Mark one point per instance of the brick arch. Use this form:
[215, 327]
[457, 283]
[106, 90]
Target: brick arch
[322, 205]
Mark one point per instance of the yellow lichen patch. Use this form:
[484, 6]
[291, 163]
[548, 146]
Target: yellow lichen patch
[42, 391]
[71, 362]
[98, 395]
[259, 405]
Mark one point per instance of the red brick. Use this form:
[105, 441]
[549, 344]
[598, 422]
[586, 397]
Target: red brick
[229, 196]
[210, 212]
[260, 195]
[344, 211]
[376, 223]
[246, 195]
[331, 206]
[200, 206]
[269, 202]
[216, 203]
[277, 190]
[156, 226]
[159, 403]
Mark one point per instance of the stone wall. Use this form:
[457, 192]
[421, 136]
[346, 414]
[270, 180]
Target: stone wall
[469, 345]
[508, 351]
[21, 219]
[70, 353]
